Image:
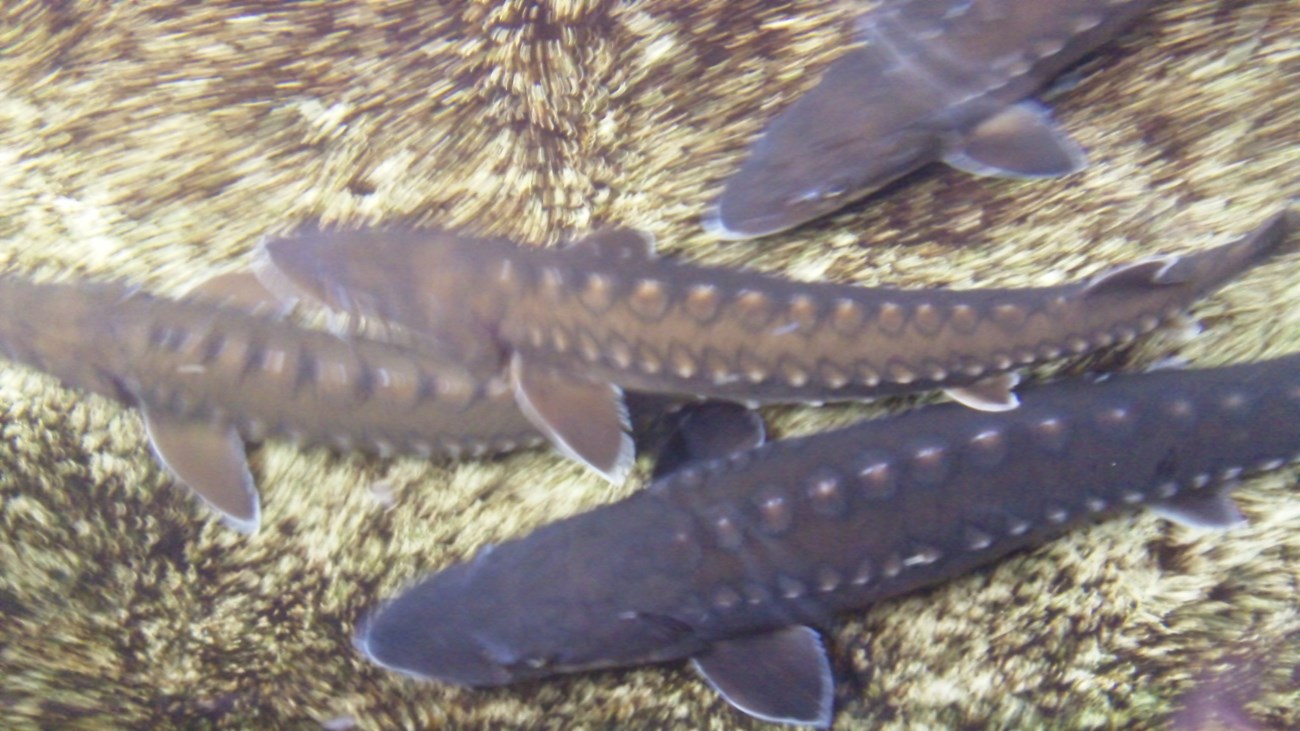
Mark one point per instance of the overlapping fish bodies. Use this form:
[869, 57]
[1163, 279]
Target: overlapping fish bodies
[935, 80]
[208, 373]
[574, 326]
[731, 562]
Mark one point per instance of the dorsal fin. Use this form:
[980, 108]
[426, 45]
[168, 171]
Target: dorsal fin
[782, 676]
[1021, 141]
[617, 243]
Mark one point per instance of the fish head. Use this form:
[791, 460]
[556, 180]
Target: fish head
[423, 281]
[779, 188]
[846, 138]
[346, 271]
[521, 611]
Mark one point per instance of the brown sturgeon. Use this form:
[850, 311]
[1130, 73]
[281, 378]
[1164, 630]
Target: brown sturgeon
[208, 372]
[935, 80]
[733, 561]
[574, 326]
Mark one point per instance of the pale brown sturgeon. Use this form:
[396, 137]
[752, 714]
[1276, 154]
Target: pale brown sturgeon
[574, 326]
[208, 373]
[934, 80]
[734, 561]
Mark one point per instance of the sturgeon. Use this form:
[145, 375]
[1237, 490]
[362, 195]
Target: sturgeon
[733, 561]
[222, 366]
[935, 80]
[575, 326]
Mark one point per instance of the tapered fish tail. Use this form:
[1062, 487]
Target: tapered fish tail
[1134, 298]
[1211, 268]
[60, 329]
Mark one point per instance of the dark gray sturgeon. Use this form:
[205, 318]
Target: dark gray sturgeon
[935, 80]
[731, 561]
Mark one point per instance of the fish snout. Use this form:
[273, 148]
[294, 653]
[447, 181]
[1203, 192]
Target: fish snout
[421, 644]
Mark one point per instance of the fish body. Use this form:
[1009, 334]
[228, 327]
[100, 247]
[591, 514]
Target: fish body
[207, 376]
[576, 325]
[933, 80]
[733, 561]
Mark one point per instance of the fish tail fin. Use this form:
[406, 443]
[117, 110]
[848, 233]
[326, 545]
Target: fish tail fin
[1206, 270]
[1210, 268]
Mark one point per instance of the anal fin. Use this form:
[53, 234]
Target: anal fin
[1205, 509]
[781, 676]
[211, 461]
[995, 393]
[584, 419]
[1021, 141]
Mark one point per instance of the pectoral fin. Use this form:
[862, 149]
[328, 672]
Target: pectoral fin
[995, 393]
[1021, 141]
[1207, 509]
[710, 430]
[782, 676]
[211, 461]
[586, 420]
